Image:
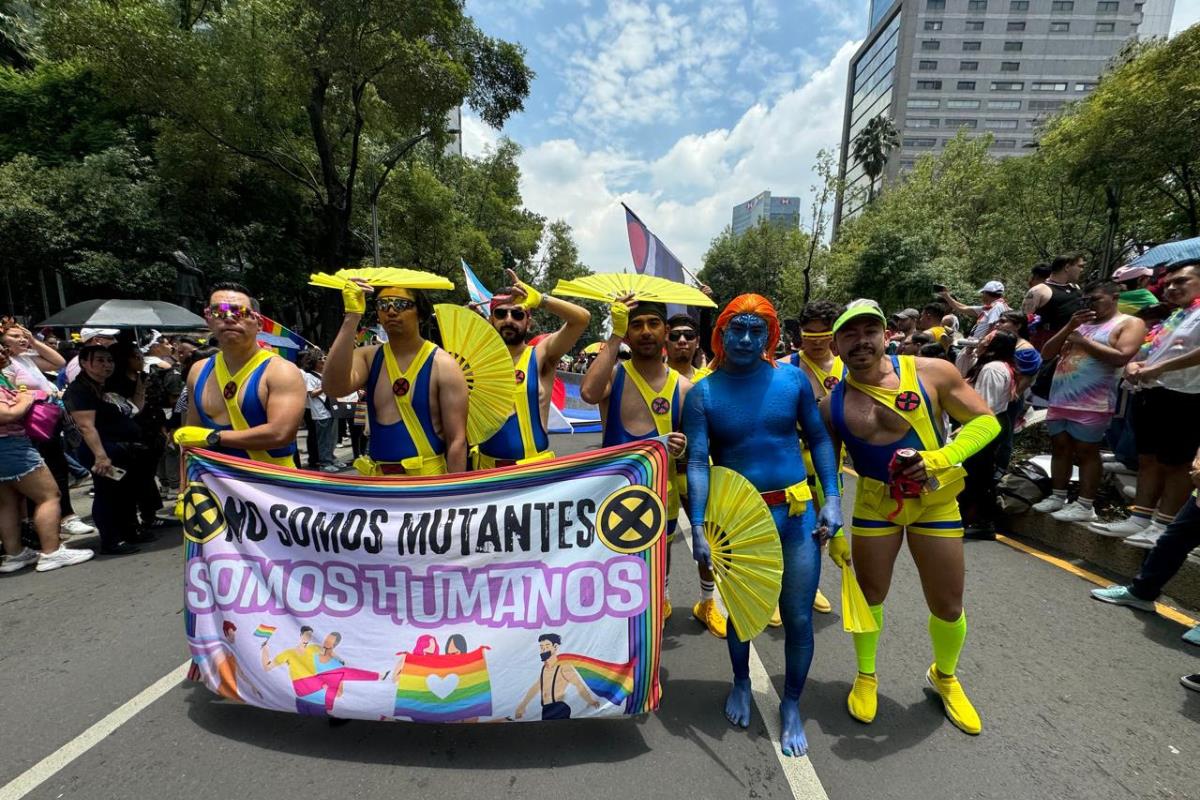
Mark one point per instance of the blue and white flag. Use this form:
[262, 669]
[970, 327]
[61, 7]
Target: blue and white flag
[480, 296]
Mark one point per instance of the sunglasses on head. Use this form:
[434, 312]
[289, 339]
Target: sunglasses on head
[397, 304]
[517, 314]
[687, 336]
[231, 311]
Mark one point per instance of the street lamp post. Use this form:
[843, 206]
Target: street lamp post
[393, 156]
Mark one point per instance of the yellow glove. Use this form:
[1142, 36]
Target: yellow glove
[620, 318]
[354, 300]
[839, 549]
[192, 436]
[533, 298]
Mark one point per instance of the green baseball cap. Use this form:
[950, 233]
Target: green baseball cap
[860, 308]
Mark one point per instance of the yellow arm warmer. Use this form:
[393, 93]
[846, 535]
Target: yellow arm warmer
[973, 437]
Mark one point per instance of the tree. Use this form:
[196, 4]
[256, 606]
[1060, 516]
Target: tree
[872, 146]
[822, 196]
[19, 47]
[767, 259]
[1135, 137]
[303, 87]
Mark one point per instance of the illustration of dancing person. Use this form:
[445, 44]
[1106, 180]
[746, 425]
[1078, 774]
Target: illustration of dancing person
[317, 673]
[554, 691]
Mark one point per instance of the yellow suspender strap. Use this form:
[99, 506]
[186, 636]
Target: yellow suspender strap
[231, 386]
[522, 404]
[661, 414]
[823, 376]
[408, 415]
[906, 400]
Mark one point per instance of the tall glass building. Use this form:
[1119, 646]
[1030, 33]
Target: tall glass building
[988, 66]
[781, 211]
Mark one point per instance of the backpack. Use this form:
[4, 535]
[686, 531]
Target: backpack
[1023, 485]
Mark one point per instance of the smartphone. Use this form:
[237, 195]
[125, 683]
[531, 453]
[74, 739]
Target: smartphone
[116, 474]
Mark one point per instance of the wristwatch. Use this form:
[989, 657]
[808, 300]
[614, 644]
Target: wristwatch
[213, 439]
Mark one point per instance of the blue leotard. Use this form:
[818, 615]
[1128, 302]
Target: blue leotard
[251, 405]
[869, 459]
[507, 443]
[614, 431]
[391, 441]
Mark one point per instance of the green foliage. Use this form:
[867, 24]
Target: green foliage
[872, 146]
[767, 260]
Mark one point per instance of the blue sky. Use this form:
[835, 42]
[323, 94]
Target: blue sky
[680, 108]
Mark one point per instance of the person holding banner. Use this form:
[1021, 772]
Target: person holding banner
[248, 401]
[654, 405]
[417, 393]
[523, 438]
[744, 416]
[888, 413]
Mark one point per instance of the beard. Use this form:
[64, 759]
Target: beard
[511, 335]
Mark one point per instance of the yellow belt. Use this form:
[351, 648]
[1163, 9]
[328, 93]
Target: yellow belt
[416, 465]
[484, 461]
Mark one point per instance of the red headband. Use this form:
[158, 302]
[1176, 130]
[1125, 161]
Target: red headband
[500, 300]
[747, 304]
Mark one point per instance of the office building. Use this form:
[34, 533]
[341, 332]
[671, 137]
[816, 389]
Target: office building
[781, 211]
[994, 66]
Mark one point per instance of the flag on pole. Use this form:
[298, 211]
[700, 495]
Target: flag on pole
[651, 256]
[280, 340]
[480, 296]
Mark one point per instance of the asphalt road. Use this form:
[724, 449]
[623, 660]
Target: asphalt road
[1078, 699]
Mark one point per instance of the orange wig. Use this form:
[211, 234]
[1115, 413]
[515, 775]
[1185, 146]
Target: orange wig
[747, 304]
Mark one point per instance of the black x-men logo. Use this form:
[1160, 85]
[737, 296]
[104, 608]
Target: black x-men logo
[630, 519]
[520, 374]
[908, 401]
[202, 516]
[230, 390]
[400, 387]
[660, 405]
[831, 382]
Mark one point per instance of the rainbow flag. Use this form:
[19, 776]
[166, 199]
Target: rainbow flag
[280, 340]
[264, 631]
[444, 688]
[613, 682]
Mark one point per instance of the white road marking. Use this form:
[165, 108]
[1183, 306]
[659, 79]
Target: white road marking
[799, 771]
[45, 769]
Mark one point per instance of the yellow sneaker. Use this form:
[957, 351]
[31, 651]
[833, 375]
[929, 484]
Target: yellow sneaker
[666, 609]
[821, 603]
[863, 700]
[775, 621]
[707, 612]
[958, 707]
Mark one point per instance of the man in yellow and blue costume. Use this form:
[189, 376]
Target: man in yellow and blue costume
[884, 406]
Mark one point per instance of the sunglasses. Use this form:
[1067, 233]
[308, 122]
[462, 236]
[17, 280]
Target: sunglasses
[229, 311]
[397, 304]
[517, 314]
[816, 336]
[687, 336]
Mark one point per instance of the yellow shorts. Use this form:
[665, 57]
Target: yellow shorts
[932, 514]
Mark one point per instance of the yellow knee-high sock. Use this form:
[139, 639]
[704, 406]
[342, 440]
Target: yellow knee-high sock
[947, 638]
[865, 644]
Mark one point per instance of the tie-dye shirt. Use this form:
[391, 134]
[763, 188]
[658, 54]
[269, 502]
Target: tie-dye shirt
[1084, 383]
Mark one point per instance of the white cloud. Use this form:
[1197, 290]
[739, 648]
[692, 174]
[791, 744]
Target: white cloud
[696, 181]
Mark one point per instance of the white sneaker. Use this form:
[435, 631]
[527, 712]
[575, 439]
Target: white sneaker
[1051, 503]
[1130, 491]
[76, 527]
[1117, 468]
[1148, 537]
[1119, 530]
[1076, 512]
[23, 559]
[62, 557]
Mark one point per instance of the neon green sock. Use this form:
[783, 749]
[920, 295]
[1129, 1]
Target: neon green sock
[865, 644]
[947, 638]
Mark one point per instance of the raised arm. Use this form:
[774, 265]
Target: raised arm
[956, 306]
[575, 321]
[46, 357]
[597, 381]
[1123, 347]
[1054, 347]
[344, 371]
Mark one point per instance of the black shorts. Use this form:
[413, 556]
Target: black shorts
[1164, 425]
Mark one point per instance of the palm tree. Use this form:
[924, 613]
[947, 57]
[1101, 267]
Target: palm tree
[871, 147]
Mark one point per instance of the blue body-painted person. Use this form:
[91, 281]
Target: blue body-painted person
[744, 416]
[643, 397]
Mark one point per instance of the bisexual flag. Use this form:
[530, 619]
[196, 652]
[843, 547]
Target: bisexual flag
[652, 257]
